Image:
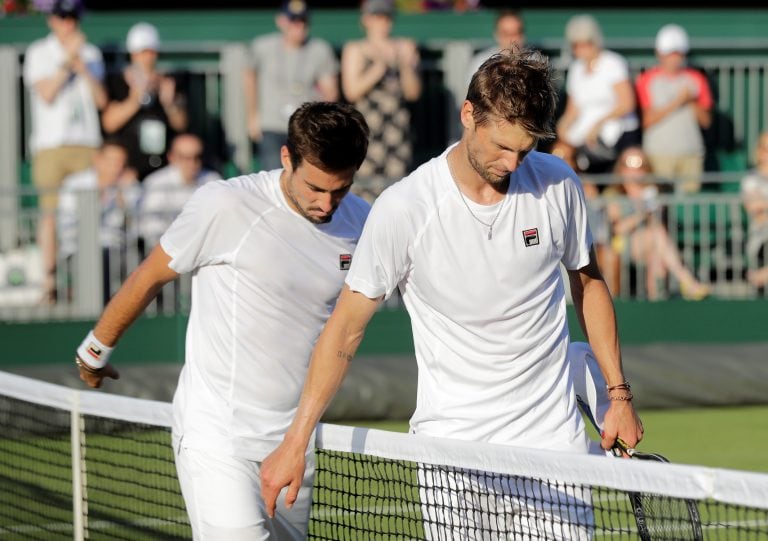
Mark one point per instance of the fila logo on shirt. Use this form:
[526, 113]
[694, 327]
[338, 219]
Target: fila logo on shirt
[531, 236]
[94, 351]
[345, 260]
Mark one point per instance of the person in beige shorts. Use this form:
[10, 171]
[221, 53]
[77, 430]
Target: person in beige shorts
[63, 73]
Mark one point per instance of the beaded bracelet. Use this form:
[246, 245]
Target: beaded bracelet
[627, 397]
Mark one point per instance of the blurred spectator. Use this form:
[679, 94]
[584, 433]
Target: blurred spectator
[145, 109]
[379, 74]
[64, 76]
[596, 215]
[508, 30]
[754, 189]
[118, 191]
[637, 227]
[676, 103]
[288, 68]
[168, 189]
[600, 117]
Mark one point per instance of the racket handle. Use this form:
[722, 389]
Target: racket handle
[621, 446]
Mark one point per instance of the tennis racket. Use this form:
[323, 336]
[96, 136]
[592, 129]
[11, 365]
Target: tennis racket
[661, 517]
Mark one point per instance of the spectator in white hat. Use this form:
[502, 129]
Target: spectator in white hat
[146, 109]
[676, 103]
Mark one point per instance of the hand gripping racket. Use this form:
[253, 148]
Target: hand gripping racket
[661, 517]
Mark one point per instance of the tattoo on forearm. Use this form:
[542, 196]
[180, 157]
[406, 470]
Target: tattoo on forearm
[344, 355]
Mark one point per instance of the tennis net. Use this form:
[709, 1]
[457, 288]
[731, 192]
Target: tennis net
[89, 465]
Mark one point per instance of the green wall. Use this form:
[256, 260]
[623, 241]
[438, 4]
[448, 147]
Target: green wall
[161, 339]
[338, 26]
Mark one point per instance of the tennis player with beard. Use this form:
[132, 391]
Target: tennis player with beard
[474, 239]
[269, 253]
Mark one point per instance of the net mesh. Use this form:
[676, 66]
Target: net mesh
[369, 484]
[131, 487]
[360, 496]
[35, 471]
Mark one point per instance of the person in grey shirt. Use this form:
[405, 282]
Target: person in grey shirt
[287, 69]
[676, 102]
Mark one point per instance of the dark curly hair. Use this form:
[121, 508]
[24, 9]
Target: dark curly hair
[329, 135]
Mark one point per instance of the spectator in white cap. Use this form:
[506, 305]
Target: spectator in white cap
[600, 117]
[146, 109]
[676, 103]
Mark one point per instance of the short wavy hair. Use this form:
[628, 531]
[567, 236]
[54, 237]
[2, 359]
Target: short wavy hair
[516, 85]
[329, 135]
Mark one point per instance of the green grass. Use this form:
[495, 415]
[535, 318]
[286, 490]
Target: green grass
[732, 437]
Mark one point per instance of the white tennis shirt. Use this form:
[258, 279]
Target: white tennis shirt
[488, 316]
[264, 282]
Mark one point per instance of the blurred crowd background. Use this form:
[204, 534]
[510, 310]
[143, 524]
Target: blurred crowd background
[115, 116]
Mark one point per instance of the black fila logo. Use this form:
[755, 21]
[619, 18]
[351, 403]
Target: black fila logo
[94, 351]
[531, 236]
[345, 260]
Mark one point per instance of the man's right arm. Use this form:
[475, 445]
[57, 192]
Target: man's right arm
[333, 352]
[127, 304]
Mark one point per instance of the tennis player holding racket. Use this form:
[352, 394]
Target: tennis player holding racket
[474, 239]
[268, 253]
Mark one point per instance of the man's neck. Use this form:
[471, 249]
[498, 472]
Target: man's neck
[469, 181]
[293, 44]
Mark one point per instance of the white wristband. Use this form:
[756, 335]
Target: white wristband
[93, 353]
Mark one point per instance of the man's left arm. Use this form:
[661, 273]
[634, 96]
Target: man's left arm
[597, 318]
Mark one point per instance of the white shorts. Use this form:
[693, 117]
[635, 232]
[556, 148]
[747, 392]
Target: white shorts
[223, 498]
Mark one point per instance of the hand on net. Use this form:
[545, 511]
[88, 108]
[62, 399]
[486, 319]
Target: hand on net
[93, 377]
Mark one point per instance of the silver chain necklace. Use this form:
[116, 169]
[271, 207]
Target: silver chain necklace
[463, 200]
[488, 225]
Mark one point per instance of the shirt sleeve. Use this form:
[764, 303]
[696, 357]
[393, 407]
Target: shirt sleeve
[704, 93]
[578, 237]
[35, 68]
[208, 230]
[257, 51]
[327, 63]
[616, 69]
[94, 62]
[641, 89]
[382, 257]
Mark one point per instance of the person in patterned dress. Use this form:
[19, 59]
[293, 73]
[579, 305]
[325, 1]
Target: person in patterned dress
[379, 75]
